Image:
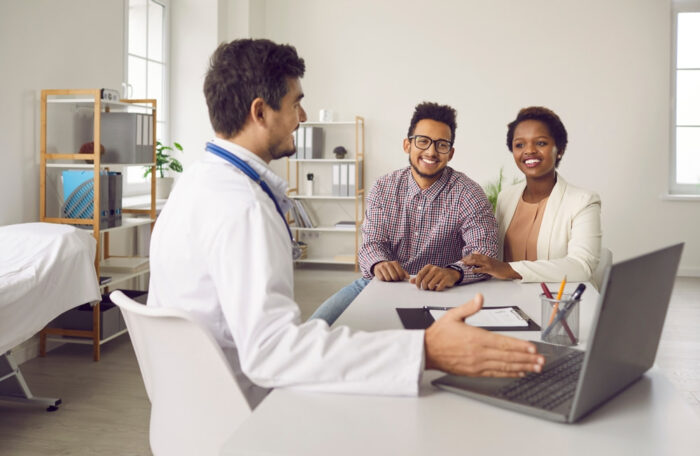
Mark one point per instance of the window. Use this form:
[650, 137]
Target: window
[685, 133]
[147, 71]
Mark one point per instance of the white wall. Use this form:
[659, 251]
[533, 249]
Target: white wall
[45, 44]
[194, 37]
[602, 65]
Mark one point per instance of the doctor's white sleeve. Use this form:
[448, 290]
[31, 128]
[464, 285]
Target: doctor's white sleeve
[253, 272]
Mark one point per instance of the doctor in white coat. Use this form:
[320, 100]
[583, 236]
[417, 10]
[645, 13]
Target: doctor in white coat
[221, 249]
[547, 227]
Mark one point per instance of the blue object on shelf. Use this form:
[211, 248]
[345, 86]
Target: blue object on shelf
[79, 195]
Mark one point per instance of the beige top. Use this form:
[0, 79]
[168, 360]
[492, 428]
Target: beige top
[520, 242]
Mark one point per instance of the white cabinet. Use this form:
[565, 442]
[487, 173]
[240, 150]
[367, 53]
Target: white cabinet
[70, 120]
[328, 240]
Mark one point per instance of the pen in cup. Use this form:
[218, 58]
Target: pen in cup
[576, 295]
[556, 304]
[561, 314]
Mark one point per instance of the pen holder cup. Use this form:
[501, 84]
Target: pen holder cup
[560, 320]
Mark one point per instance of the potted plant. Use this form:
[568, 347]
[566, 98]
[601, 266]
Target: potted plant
[164, 161]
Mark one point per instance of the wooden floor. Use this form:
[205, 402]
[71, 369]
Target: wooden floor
[105, 410]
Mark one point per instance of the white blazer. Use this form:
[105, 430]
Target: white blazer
[570, 234]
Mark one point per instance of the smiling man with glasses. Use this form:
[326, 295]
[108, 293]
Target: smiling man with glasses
[422, 218]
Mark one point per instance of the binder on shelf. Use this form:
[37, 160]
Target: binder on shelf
[304, 214]
[123, 136]
[301, 143]
[114, 196]
[343, 191]
[351, 179]
[336, 180]
[313, 137]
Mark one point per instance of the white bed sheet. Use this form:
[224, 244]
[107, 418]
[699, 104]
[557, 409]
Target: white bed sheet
[45, 269]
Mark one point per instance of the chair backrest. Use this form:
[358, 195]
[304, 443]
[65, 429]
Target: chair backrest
[606, 259]
[196, 402]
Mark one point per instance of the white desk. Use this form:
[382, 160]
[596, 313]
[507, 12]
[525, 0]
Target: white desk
[649, 418]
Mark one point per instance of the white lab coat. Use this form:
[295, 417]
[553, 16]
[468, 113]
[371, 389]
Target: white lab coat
[221, 251]
[570, 234]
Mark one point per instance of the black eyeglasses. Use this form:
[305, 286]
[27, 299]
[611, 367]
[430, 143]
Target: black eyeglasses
[443, 146]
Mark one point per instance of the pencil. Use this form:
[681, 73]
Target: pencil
[548, 294]
[556, 304]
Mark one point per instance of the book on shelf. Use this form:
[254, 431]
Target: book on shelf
[345, 225]
[301, 215]
[105, 279]
[124, 264]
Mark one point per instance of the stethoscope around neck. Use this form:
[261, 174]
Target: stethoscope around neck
[251, 173]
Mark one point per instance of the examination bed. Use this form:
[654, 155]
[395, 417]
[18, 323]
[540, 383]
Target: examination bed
[45, 269]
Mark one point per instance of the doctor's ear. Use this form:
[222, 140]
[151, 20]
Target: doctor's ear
[257, 110]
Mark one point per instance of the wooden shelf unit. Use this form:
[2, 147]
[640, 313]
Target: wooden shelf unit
[91, 98]
[358, 159]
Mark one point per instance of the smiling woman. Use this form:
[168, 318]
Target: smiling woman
[547, 228]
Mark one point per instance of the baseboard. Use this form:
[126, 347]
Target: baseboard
[29, 349]
[689, 272]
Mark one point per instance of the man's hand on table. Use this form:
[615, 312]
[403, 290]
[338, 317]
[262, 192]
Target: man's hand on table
[454, 347]
[435, 278]
[390, 271]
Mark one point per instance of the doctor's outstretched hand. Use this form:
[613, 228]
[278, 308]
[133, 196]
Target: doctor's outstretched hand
[454, 347]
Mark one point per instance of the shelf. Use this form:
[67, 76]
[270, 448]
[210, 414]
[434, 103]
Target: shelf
[324, 228]
[121, 277]
[325, 261]
[91, 166]
[89, 103]
[320, 197]
[127, 222]
[322, 160]
[78, 102]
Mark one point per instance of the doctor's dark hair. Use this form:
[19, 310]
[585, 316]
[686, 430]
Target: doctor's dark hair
[440, 113]
[547, 117]
[243, 70]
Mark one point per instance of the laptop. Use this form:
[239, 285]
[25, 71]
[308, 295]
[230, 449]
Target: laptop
[622, 346]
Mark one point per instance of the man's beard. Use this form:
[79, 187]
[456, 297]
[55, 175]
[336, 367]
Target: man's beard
[277, 154]
[422, 174]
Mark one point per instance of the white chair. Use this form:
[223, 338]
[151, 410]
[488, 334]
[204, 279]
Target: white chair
[598, 275]
[195, 401]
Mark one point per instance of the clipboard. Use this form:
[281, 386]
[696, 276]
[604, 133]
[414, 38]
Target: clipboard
[418, 318]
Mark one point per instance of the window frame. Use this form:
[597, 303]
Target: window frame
[163, 108]
[676, 188]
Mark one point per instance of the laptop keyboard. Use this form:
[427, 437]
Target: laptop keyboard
[549, 389]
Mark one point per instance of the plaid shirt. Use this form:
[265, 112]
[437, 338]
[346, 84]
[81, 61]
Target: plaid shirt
[439, 225]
